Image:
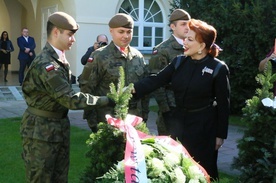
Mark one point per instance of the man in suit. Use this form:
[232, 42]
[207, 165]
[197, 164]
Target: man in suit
[26, 54]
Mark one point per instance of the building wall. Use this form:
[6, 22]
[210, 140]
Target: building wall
[10, 21]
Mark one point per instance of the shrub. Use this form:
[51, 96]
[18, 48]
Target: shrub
[256, 159]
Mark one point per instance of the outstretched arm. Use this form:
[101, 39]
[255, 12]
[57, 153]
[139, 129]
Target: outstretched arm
[263, 63]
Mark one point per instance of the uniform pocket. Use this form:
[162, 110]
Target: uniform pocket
[113, 70]
[59, 84]
[139, 71]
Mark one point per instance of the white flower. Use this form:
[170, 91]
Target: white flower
[194, 181]
[157, 166]
[195, 172]
[171, 159]
[120, 166]
[147, 150]
[179, 176]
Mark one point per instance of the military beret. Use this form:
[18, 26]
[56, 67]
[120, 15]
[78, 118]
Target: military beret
[179, 14]
[121, 20]
[64, 21]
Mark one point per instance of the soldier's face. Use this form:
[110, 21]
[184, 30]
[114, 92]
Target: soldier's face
[66, 39]
[180, 28]
[121, 36]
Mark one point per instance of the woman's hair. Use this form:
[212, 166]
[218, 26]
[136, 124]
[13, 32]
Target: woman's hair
[2, 35]
[207, 34]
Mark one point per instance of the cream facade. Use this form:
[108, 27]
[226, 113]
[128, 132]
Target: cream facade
[150, 16]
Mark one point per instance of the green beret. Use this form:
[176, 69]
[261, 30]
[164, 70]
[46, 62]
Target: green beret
[64, 21]
[121, 20]
[179, 14]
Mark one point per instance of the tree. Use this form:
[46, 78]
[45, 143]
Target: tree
[246, 32]
[108, 144]
[257, 149]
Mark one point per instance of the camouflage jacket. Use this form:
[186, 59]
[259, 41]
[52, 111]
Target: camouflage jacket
[162, 55]
[49, 95]
[103, 69]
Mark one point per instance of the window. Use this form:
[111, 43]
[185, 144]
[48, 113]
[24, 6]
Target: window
[148, 22]
[46, 12]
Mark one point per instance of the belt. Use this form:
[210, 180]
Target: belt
[195, 110]
[46, 114]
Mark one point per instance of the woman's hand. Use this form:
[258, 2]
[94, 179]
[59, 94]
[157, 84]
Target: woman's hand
[219, 143]
[272, 56]
[4, 51]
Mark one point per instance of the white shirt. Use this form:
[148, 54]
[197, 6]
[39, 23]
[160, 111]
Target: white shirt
[26, 38]
[59, 53]
[180, 41]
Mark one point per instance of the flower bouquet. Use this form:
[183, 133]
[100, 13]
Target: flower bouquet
[152, 159]
[129, 154]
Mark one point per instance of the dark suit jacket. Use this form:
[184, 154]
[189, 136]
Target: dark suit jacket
[22, 44]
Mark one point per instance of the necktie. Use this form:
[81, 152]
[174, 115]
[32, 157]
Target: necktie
[122, 49]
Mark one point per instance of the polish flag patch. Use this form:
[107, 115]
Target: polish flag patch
[50, 67]
[90, 59]
[154, 52]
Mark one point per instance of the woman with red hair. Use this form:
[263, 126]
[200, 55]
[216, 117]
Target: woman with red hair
[202, 93]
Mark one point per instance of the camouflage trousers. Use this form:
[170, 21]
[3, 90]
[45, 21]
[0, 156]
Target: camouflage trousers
[46, 161]
[91, 118]
[160, 123]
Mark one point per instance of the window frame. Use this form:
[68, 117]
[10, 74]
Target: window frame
[141, 24]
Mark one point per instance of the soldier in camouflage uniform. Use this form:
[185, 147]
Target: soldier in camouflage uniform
[103, 68]
[45, 127]
[162, 55]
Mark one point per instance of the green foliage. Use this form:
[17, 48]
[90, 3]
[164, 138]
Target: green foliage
[257, 149]
[246, 32]
[11, 148]
[106, 147]
[121, 96]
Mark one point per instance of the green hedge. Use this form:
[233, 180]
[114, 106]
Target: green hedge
[246, 32]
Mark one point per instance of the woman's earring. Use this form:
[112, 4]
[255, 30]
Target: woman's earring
[199, 52]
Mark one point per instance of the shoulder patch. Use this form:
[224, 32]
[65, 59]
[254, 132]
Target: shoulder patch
[50, 67]
[90, 59]
[154, 52]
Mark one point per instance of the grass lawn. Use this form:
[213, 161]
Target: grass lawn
[12, 167]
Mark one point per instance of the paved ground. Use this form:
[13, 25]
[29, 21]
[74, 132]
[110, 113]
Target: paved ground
[12, 104]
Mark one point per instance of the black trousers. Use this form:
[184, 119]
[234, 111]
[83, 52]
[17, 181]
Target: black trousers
[197, 133]
[22, 66]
